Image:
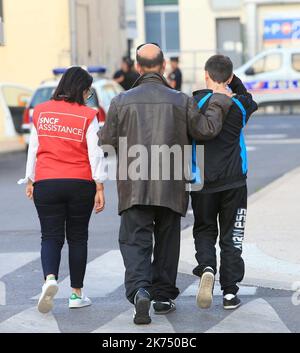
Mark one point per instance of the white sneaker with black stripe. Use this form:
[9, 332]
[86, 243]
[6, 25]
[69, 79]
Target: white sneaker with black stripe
[231, 302]
[164, 307]
[206, 287]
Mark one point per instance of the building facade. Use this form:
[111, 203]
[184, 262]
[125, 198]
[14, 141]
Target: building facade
[36, 36]
[196, 29]
[39, 35]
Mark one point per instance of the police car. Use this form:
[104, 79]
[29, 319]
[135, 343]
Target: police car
[104, 90]
[273, 76]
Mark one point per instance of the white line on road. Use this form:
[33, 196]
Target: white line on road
[274, 142]
[193, 288]
[2, 293]
[30, 321]
[103, 276]
[266, 136]
[255, 317]
[10, 262]
[124, 324]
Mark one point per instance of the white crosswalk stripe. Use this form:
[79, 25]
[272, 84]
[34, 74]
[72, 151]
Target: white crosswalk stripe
[30, 321]
[2, 293]
[256, 316]
[192, 290]
[124, 324]
[103, 276]
[12, 261]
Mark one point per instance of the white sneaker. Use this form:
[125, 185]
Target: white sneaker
[49, 291]
[76, 302]
[206, 287]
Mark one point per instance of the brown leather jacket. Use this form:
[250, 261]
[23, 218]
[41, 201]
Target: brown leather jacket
[149, 114]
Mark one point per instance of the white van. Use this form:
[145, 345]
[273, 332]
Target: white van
[273, 76]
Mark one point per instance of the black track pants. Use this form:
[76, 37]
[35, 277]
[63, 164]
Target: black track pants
[230, 207]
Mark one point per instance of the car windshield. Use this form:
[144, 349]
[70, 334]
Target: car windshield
[41, 95]
[44, 94]
[108, 92]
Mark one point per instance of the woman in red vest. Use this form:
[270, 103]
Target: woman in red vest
[64, 176]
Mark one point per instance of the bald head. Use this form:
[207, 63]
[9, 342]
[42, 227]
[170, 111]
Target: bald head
[150, 58]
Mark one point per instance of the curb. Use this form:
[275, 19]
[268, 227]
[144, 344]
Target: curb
[273, 185]
[271, 283]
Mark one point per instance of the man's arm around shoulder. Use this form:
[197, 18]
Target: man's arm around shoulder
[208, 125]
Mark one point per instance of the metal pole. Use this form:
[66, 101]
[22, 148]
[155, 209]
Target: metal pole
[251, 28]
[73, 31]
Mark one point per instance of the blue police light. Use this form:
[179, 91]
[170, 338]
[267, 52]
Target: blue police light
[97, 69]
[59, 70]
[91, 69]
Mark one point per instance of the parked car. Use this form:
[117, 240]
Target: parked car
[13, 101]
[273, 76]
[104, 91]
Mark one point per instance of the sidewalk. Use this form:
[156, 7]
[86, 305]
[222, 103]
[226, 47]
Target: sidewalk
[272, 241]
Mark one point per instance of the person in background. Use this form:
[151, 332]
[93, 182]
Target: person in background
[220, 208]
[154, 114]
[64, 176]
[175, 77]
[127, 76]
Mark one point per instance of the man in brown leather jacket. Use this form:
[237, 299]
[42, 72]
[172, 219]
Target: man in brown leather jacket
[153, 114]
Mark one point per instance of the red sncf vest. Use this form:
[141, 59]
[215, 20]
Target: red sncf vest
[63, 151]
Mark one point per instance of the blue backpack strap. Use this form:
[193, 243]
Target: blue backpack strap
[196, 173]
[242, 137]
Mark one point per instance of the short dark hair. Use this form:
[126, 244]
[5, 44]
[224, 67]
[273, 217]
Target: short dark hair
[219, 67]
[127, 60]
[150, 63]
[72, 85]
[175, 59]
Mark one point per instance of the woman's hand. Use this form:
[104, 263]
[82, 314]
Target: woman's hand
[29, 189]
[99, 199]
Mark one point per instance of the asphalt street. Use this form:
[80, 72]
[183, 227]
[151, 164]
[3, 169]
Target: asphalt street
[274, 149]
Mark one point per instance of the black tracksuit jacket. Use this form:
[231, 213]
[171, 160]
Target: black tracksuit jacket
[224, 167]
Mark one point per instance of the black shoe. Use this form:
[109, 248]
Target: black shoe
[206, 288]
[142, 303]
[231, 304]
[164, 307]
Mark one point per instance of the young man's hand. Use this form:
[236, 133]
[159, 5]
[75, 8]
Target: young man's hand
[99, 199]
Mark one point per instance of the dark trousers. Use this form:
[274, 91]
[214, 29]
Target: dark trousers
[64, 208]
[158, 277]
[230, 207]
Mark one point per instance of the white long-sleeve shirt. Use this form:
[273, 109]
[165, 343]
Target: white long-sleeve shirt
[96, 155]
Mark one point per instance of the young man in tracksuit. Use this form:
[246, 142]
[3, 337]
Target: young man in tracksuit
[220, 208]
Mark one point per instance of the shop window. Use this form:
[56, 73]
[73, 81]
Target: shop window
[162, 24]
